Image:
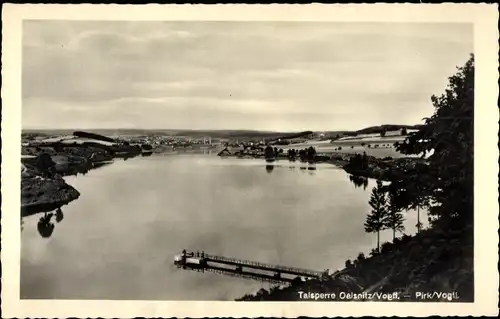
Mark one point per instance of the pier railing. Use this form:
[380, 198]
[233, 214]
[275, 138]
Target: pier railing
[264, 266]
[247, 275]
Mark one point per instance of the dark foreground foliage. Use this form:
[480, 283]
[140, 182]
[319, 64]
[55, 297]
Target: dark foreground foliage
[434, 260]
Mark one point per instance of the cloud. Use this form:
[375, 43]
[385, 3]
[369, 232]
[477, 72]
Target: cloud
[310, 75]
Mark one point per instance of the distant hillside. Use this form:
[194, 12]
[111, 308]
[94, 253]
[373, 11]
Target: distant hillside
[230, 134]
[242, 134]
[387, 127]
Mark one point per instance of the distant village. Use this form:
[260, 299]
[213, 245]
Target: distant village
[168, 140]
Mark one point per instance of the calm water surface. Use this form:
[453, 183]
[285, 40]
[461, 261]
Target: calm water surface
[118, 240]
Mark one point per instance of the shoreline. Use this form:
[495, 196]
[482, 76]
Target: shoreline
[435, 259]
[43, 167]
[53, 192]
[438, 258]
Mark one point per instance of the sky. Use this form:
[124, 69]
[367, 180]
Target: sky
[274, 76]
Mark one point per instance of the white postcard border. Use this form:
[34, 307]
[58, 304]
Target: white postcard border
[484, 17]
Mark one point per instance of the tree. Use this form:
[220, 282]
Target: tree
[45, 226]
[404, 131]
[447, 181]
[269, 152]
[394, 218]
[418, 225]
[382, 133]
[45, 164]
[364, 161]
[375, 219]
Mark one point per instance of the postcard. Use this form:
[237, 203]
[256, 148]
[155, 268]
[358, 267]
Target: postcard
[249, 160]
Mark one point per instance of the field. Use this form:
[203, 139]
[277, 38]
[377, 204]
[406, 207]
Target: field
[376, 152]
[379, 146]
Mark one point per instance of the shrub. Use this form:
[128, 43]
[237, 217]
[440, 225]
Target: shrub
[348, 264]
[361, 257]
[296, 281]
[386, 247]
[405, 238]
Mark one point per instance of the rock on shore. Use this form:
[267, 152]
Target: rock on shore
[40, 194]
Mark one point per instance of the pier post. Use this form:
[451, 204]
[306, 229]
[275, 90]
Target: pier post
[183, 258]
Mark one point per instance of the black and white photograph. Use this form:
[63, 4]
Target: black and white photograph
[292, 161]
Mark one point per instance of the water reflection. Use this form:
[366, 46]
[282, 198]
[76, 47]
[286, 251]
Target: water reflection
[306, 169]
[45, 226]
[100, 164]
[126, 156]
[311, 169]
[59, 215]
[52, 211]
[82, 169]
[359, 181]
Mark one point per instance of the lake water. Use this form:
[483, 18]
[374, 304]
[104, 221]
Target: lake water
[118, 240]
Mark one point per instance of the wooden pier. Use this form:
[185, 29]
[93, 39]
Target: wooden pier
[243, 268]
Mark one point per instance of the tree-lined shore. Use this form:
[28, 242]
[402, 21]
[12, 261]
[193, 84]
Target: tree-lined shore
[439, 258]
